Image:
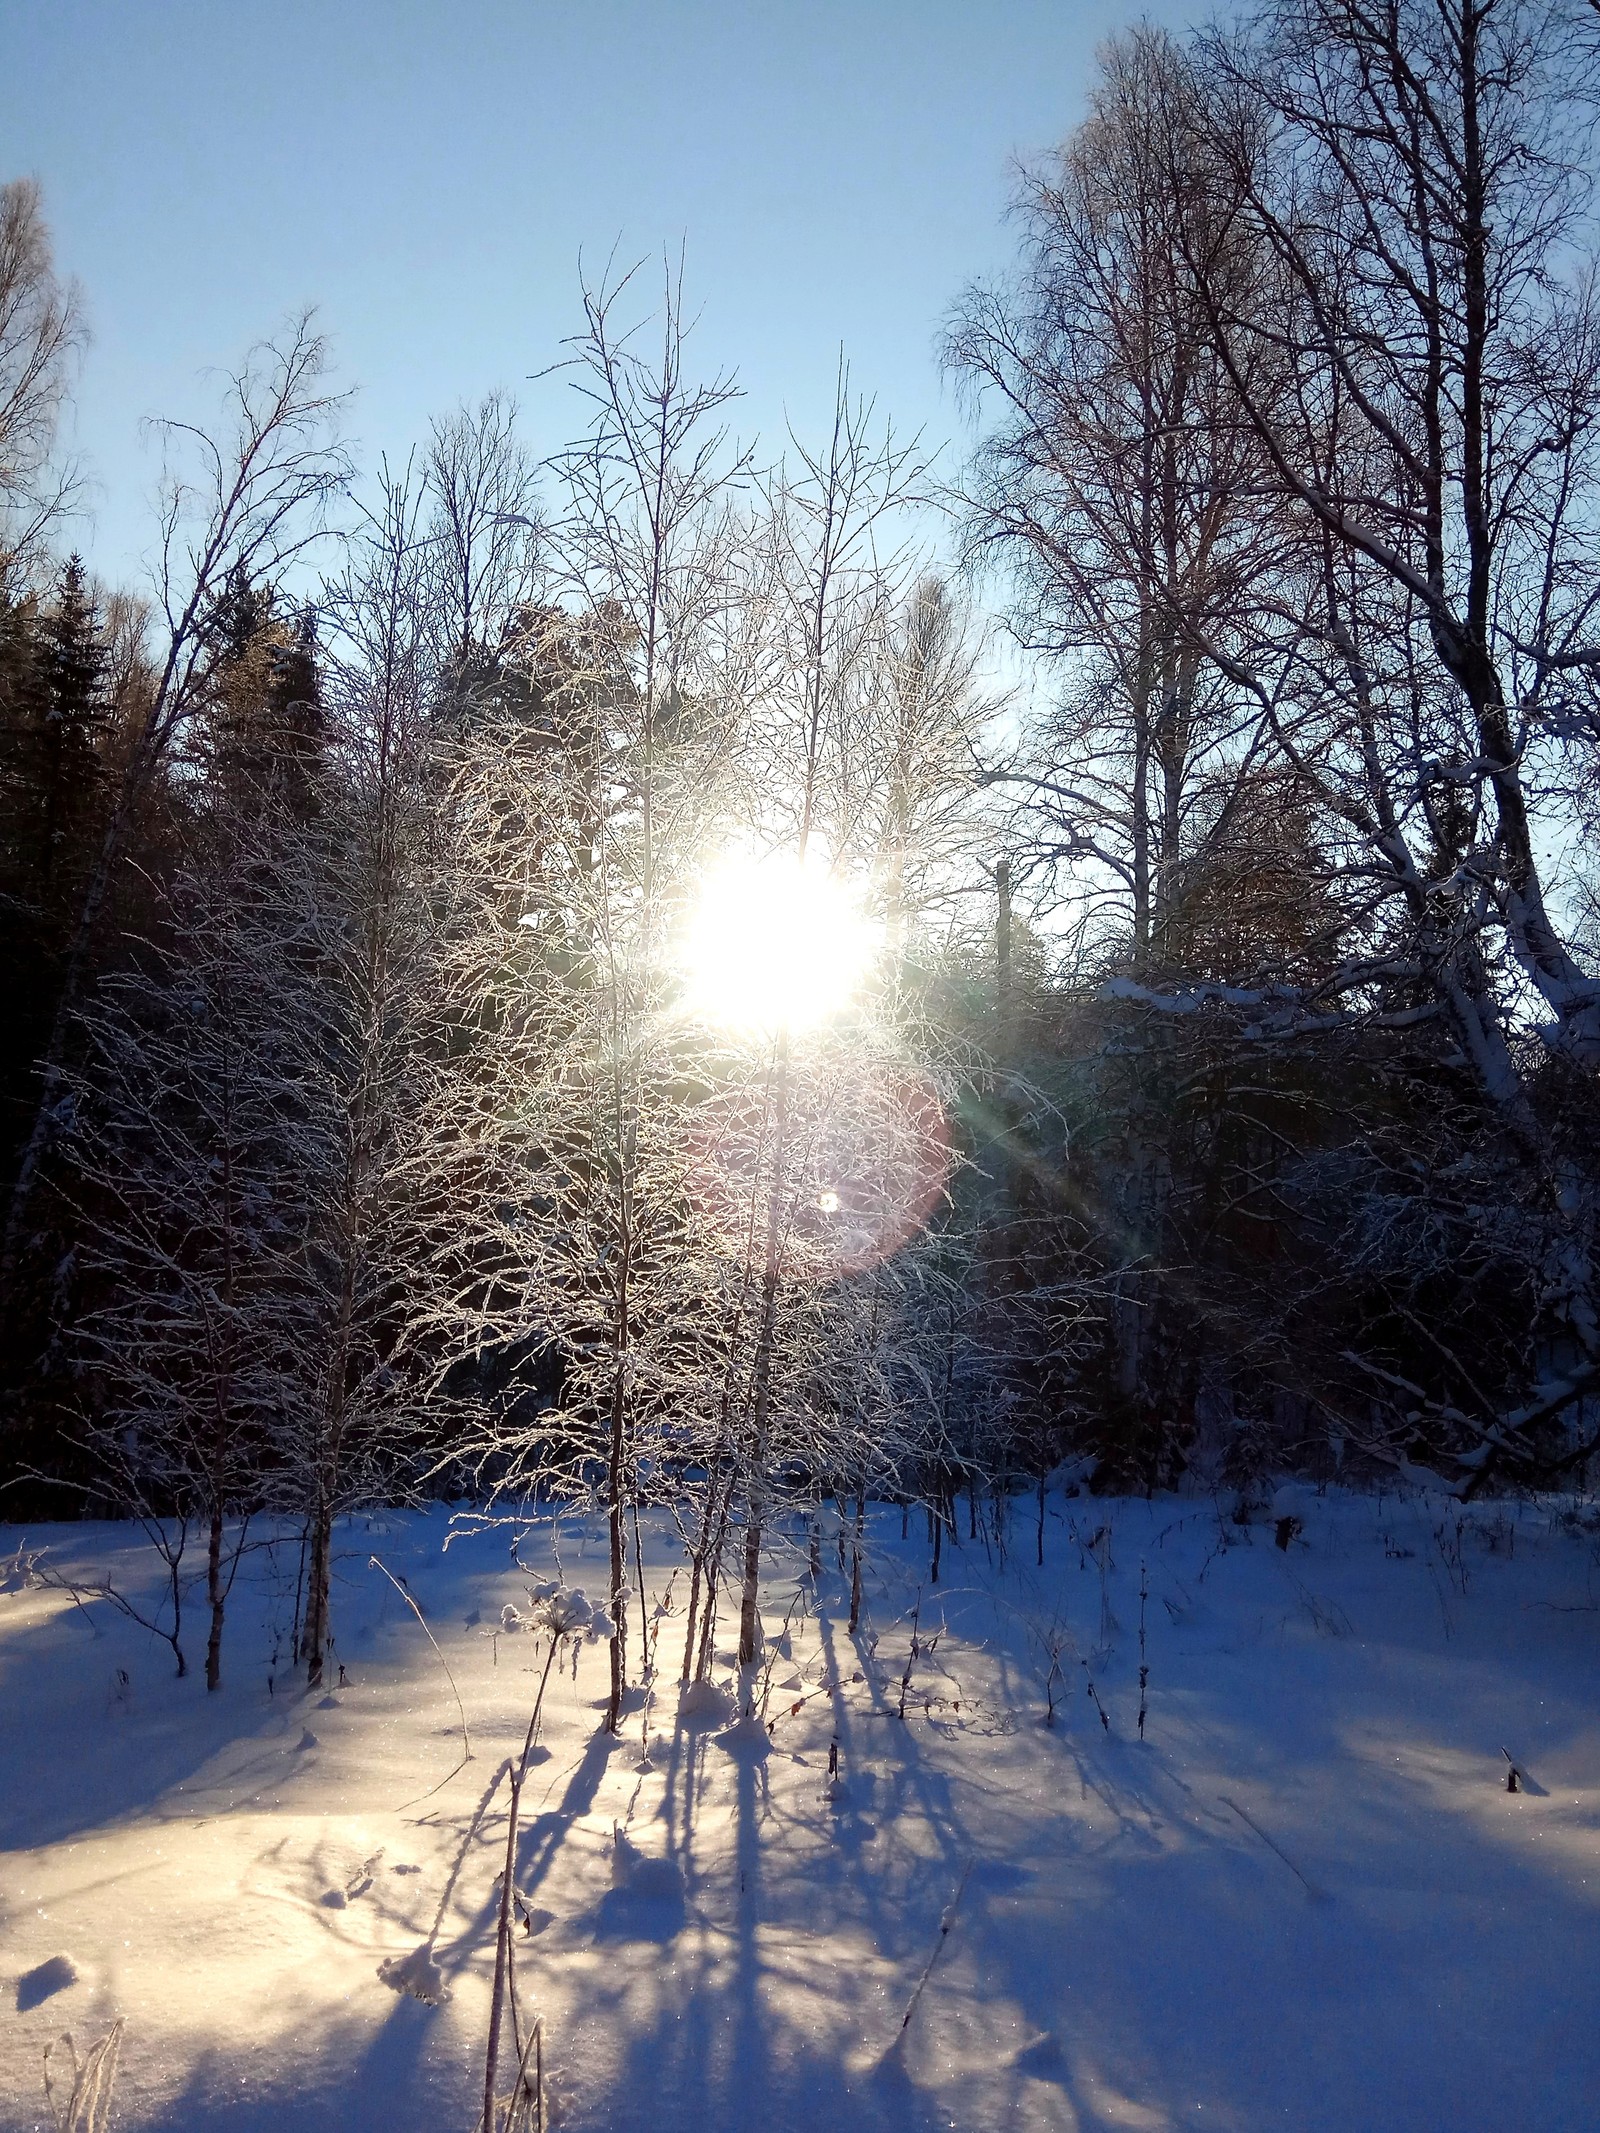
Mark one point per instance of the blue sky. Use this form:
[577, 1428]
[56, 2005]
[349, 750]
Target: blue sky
[428, 175]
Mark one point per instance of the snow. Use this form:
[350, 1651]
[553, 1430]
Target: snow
[417, 1973]
[1306, 1899]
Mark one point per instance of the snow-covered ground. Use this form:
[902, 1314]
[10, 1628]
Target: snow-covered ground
[1306, 1899]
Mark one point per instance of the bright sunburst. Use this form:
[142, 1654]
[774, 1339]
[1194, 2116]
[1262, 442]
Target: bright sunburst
[774, 944]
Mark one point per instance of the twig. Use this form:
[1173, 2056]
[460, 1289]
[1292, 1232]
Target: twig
[376, 1563]
[1271, 1844]
[945, 1923]
[505, 1946]
[1094, 1694]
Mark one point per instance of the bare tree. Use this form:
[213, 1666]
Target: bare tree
[1119, 495]
[1297, 399]
[485, 522]
[1417, 176]
[275, 1155]
[828, 592]
[584, 804]
[41, 334]
[380, 1152]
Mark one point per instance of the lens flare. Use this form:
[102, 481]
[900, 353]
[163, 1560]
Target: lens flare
[773, 944]
[869, 1155]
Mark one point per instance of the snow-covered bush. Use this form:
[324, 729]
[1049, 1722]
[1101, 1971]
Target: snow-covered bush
[558, 1610]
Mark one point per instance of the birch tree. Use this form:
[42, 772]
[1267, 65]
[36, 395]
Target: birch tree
[380, 1154]
[1118, 499]
[41, 333]
[484, 523]
[1418, 177]
[832, 573]
[585, 801]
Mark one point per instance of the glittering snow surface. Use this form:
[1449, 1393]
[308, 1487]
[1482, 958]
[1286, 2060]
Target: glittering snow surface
[1305, 1900]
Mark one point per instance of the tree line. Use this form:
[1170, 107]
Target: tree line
[1220, 1097]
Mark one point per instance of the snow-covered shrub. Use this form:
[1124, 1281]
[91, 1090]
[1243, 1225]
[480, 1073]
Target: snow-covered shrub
[559, 1610]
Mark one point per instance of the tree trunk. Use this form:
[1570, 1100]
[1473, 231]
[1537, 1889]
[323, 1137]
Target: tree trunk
[619, 1566]
[761, 1376]
[319, 1565]
[1002, 953]
[217, 1596]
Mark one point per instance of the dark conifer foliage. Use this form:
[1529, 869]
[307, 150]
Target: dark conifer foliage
[265, 721]
[56, 711]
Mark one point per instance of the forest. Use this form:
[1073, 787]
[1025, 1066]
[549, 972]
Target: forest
[802, 1009]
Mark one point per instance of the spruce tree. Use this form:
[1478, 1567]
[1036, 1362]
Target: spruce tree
[69, 703]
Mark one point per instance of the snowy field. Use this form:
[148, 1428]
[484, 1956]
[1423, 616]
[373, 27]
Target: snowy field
[1306, 1899]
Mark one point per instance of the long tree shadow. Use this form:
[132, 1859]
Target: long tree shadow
[744, 2038]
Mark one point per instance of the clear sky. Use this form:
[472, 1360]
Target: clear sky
[428, 174]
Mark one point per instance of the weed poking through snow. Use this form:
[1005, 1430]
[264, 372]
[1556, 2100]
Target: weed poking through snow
[86, 2108]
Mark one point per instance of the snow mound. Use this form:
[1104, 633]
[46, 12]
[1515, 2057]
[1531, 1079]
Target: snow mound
[51, 1976]
[530, 1917]
[640, 1873]
[417, 1974]
[702, 1702]
[1073, 1473]
[747, 1736]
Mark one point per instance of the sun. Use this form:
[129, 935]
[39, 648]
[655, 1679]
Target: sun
[775, 944]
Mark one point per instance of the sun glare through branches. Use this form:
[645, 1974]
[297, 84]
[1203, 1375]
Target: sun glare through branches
[775, 944]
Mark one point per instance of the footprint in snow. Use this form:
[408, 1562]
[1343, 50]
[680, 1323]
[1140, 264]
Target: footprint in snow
[361, 1880]
[358, 1884]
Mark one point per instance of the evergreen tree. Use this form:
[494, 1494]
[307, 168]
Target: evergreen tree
[53, 718]
[296, 713]
[70, 703]
[266, 717]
